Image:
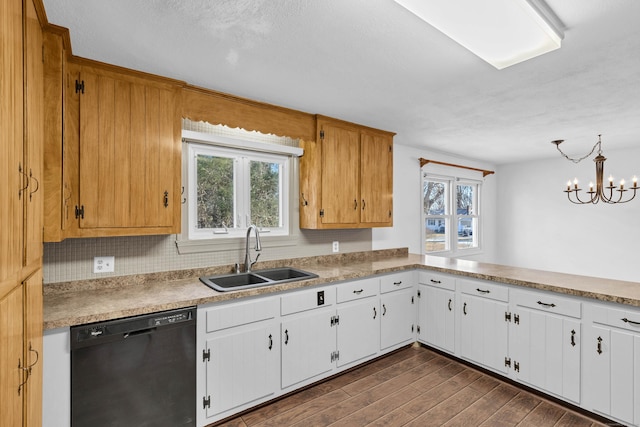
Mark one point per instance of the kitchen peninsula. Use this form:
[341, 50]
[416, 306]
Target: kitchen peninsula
[522, 319]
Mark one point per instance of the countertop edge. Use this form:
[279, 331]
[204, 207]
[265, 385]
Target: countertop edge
[548, 281]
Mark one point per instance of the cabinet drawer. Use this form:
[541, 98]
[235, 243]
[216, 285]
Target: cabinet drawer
[548, 303]
[349, 291]
[240, 313]
[484, 289]
[438, 280]
[307, 300]
[396, 281]
[616, 318]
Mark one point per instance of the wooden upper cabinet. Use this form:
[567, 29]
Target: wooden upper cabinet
[346, 177]
[376, 178]
[340, 176]
[126, 142]
[121, 155]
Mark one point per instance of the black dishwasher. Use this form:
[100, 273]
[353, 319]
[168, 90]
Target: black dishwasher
[135, 372]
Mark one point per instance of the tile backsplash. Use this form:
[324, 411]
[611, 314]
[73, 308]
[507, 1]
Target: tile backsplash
[72, 259]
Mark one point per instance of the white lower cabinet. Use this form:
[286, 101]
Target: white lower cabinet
[436, 311]
[545, 338]
[358, 316]
[308, 345]
[397, 310]
[612, 362]
[484, 324]
[238, 360]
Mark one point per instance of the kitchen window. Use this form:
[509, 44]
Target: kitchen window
[451, 214]
[231, 184]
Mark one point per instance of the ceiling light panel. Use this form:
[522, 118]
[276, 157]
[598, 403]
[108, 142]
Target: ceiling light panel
[502, 32]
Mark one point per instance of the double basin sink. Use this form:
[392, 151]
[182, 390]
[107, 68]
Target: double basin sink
[254, 279]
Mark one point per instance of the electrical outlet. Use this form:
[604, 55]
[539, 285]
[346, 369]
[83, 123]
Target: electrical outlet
[103, 264]
[336, 246]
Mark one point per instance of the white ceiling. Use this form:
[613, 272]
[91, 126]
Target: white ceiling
[372, 62]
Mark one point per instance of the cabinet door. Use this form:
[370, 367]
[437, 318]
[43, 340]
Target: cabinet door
[436, 316]
[340, 174]
[612, 367]
[546, 351]
[34, 92]
[397, 322]
[33, 347]
[308, 342]
[242, 367]
[358, 330]
[376, 178]
[12, 178]
[127, 153]
[484, 332]
[12, 362]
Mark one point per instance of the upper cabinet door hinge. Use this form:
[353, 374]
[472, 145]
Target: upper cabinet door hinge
[321, 213]
[321, 134]
[80, 212]
[80, 86]
[206, 355]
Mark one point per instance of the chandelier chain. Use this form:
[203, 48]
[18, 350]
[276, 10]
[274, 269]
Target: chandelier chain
[597, 144]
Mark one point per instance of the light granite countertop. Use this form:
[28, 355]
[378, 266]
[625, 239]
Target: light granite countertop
[87, 301]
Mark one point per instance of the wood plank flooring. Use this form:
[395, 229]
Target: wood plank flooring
[413, 387]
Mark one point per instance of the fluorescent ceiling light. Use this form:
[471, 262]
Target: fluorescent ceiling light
[502, 32]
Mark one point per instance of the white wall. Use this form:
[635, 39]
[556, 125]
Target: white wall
[539, 228]
[406, 230]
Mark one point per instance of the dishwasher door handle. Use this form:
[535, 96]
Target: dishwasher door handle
[139, 332]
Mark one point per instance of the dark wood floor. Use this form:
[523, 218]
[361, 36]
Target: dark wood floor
[413, 387]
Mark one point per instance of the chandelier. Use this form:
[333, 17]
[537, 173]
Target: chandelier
[610, 194]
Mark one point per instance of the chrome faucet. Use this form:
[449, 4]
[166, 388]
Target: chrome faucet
[247, 255]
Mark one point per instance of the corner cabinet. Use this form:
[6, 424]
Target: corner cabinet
[346, 177]
[120, 156]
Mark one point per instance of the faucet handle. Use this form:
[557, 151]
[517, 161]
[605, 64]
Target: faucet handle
[237, 267]
[256, 260]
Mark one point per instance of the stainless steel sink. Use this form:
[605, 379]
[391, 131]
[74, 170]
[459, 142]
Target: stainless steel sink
[271, 276]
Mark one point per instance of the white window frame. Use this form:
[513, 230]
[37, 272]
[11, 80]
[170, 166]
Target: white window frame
[451, 217]
[193, 240]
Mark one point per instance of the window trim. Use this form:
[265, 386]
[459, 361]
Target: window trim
[236, 242]
[451, 218]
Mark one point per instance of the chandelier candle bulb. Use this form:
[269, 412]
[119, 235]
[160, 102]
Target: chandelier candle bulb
[591, 187]
[610, 181]
[635, 181]
[622, 184]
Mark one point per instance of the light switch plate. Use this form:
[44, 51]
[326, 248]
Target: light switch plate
[103, 264]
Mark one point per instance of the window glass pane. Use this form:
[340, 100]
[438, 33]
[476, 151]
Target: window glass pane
[265, 194]
[435, 198]
[436, 235]
[464, 199]
[215, 192]
[466, 232]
